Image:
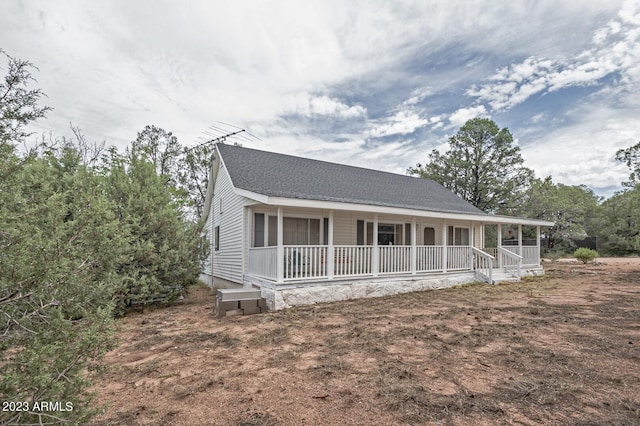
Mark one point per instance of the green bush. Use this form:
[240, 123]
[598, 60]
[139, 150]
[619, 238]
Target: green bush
[60, 243]
[585, 255]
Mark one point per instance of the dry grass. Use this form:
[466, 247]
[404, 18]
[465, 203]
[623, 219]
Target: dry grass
[561, 349]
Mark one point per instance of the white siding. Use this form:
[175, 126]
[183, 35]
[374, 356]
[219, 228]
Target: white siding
[227, 261]
[436, 225]
[344, 228]
[206, 274]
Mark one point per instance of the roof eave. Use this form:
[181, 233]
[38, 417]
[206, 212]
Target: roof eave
[213, 176]
[369, 208]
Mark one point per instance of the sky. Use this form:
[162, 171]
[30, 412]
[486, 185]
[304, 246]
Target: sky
[377, 84]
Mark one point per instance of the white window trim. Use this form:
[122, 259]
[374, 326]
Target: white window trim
[382, 223]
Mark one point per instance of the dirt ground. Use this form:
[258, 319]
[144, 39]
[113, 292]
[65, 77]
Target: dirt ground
[559, 349]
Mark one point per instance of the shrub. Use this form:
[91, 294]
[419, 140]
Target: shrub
[585, 255]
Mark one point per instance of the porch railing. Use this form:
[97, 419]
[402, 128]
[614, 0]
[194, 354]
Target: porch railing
[429, 258]
[312, 262]
[511, 261]
[530, 254]
[493, 251]
[352, 260]
[394, 259]
[305, 261]
[263, 262]
[458, 258]
[483, 265]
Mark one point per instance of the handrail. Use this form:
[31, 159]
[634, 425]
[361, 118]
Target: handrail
[514, 257]
[483, 264]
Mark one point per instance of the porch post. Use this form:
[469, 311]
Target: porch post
[280, 247]
[375, 267]
[444, 246]
[247, 238]
[472, 243]
[499, 245]
[414, 248]
[330, 250]
[538, 254]
[520, 240]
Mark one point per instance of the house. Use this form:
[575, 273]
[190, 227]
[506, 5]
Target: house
[307, 231]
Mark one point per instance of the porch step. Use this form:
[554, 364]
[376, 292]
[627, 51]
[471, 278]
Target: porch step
[236, 294]
[239, 301]
[500, 276]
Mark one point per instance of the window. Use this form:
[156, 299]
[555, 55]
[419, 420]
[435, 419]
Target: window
[298, 231]
[429, 237]
[458, 236]
[220, 205]
[217, 238]
[273, 231]
[258, 230]
[325, 230]
[388, 234]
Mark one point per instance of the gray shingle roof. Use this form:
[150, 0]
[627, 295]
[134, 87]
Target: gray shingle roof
[279, 175]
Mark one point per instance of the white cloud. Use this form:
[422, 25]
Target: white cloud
[402, 123]
[308, 105]
[113, 67]
[462, 115]
[406, 117]
[537, 118]
[615, 48]
[418, 95]
[583, 153]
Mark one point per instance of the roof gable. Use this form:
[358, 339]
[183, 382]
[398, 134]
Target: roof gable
[279, 175]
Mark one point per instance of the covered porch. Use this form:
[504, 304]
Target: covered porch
[287, 245]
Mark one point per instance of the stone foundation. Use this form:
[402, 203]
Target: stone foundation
[287, 295]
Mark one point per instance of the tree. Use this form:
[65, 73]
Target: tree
[60, 244]
[18, 103]
[483, 166]
[185, 170]
[165, 253]
[618, 223]
[571, 208]
[82, 234]
[194, 177]
[160, 148]
[631, 157]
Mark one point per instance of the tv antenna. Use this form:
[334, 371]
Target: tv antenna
[216, 134]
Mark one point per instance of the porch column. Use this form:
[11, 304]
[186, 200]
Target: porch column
[520, 240]
[472, 243]
[499, 245]
[280, 246]
[538, 254]
[472, 234]
[414, 248]
[444, 246]
[330, 250]
[375, 261]
[247, 241]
